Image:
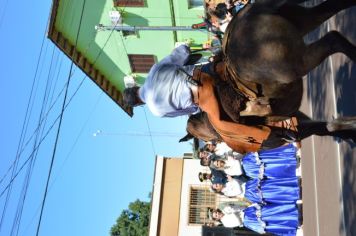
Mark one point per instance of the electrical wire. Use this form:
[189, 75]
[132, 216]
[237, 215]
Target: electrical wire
[37, 68]
[149, 131]
[148, 125]
[67, 157]
[3, 13]
[36, 148]
[51, 107]
[39, 144]
[23, 131]
[59, 127]
[95, 60]
[55, 121]
[21, 202]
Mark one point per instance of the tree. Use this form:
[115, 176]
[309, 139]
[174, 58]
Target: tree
[133, 221]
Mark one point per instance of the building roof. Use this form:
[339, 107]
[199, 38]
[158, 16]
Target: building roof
[103, 56]
[86, 51]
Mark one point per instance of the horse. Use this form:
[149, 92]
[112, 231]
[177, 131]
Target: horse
[261, 69]
[199, 126]
[264, 55]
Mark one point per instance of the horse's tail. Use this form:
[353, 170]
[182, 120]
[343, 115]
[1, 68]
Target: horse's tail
[342, 123]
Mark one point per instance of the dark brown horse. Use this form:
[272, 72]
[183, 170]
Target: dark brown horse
[265, 56]
[199, 126]
[260, 73]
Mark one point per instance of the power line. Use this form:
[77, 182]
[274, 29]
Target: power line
[59, 127]
[3, 13]
[67, 157]
[27, 142]
[59, 94]
[40, 123]
[95, 60]
[39, 144]
[24, 127]
[36, 148]
[51, 107]
[150, 134]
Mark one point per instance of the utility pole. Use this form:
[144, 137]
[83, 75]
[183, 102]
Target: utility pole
[101, 27]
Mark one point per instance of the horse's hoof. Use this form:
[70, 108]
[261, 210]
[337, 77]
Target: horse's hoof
[342, 123]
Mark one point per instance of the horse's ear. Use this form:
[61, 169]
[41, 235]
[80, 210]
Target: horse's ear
[186, 138]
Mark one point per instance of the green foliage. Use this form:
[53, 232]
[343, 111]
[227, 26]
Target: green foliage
[133, 221]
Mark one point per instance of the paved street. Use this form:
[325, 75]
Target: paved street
[329, 165]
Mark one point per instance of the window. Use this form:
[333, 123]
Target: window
[195, 3]
[200, 199]
[129, 3]
[141, 63]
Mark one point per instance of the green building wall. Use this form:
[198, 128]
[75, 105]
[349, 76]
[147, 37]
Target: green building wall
[107, 50]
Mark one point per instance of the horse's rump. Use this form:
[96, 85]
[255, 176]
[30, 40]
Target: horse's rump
[260, 50]
[261, 45]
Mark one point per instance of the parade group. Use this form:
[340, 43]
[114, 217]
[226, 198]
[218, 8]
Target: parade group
[263, 185]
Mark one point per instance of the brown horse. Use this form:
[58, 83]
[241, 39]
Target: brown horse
[265, 56]
[199, 126]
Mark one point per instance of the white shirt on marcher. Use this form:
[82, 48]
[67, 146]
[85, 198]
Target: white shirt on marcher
[234, 188]
[231, 218]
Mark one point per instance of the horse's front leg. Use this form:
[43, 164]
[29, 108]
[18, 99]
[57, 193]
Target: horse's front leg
[331, 43]
[307, 19]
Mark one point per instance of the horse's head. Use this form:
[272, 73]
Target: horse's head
[199, 126]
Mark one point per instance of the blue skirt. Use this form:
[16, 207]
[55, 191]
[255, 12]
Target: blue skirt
[278, 191]
[274, 163]
[272, 218]
[274, 187]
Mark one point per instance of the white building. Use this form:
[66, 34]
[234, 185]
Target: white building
[180, 200]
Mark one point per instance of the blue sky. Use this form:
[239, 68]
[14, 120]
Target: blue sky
[94, 177]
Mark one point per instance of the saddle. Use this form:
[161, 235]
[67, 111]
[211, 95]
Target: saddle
[240, 137]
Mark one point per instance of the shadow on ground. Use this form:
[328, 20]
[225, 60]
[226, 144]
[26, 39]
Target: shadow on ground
[345, 93]
[345, 87]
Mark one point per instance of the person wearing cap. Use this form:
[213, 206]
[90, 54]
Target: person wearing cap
[216, 177]
[168, 90]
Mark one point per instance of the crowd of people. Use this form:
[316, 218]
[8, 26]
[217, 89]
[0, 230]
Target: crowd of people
[220, 14]
[263, 187]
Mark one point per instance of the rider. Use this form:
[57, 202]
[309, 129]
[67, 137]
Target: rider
[168, 90]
